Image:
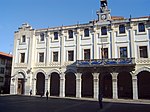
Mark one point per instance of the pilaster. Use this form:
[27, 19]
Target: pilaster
[135, 86]
[62, 85]
[115, 85]
[96, 84]
[78, 85]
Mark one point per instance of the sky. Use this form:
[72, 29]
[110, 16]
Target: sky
[50, 13]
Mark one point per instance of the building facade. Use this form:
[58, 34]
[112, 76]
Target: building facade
[5, 72]
[110, 55]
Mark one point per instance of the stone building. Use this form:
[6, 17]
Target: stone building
[5, 72]
[110, 55]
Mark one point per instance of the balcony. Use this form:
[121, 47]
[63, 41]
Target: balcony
[106, 62]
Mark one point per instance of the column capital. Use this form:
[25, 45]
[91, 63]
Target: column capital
[114, 75]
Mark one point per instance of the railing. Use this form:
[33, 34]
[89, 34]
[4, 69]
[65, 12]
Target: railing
[105, 62]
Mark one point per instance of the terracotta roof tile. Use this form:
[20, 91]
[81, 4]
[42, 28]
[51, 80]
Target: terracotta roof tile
[5, 54]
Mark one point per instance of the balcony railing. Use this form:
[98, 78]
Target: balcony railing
[106, 62]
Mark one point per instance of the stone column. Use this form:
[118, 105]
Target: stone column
[49, 90]
[46, 85]
[96, 84]
[115, 85]
[135, 87]
[34, 86]
[62, 85]
[78, 85]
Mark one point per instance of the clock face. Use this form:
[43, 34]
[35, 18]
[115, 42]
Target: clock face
[103, 17]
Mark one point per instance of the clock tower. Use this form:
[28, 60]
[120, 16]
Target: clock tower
[104, 12]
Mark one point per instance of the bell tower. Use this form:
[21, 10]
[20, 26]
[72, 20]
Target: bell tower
[104, 12]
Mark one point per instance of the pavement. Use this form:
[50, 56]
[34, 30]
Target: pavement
[16, 103]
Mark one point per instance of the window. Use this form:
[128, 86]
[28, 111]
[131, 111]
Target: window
[104, 30]
[42, 37]
[87, 54]
[2, 61]
[141, 27]
[143, 52]
[70, 32]
[121, 29]
[1, 79]
[70, 55]
[86, 32]
[123, 52]
[23, 38]
[55, 35]
[22, 57]
[2, 69]
[41, 57]
[55, 56]
[104, 53]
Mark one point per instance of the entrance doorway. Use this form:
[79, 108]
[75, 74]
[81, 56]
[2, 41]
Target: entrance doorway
[20, 89]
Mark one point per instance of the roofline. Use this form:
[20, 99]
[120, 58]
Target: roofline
[6, 55]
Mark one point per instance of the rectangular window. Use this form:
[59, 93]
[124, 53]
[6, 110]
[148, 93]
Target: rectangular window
[121, 29]
[143, 52]
[55, 56]
[70, 33]
[22, 57]
[1, 79]
[23, 38]
[2, 70]
[70, 55]
[141, 27]
[42, 37]
[2, 61]
[41, 57]
[123, 52]
[86, 32]
[104, 30]
[55, 35]
[104, 53]
[87, 54]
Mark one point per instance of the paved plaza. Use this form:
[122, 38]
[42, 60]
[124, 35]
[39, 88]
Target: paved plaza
[37, 104]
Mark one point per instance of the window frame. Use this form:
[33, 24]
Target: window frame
[22, 57]
[23, 39]
[122, 29]
[122, 55]
[42, 37]
[143, 53]
[103, 30]
[41, 57]
[86, 32]
[55, 56]
[87, 54]
[141, 27]
[55, 35]
[71, 55]
[70, 34]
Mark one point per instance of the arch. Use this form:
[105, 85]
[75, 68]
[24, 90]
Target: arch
[40, 83]
[143, 84]
[54, 84]
[125, 85]
[87, 85]
[142, 69]
[39, 71]
[70, 70]
[70, 84]
[54, 71]
[105, 84]
[21, 78]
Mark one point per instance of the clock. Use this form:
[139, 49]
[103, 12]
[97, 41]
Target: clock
[103, 17]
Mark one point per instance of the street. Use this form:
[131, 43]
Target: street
[37, 104]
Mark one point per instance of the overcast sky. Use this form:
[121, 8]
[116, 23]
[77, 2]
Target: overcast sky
[50, 13]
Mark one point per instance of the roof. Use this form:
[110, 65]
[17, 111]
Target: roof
[6, 55]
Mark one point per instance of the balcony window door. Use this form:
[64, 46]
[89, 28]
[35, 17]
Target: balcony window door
[123, 52]
[86, 54]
